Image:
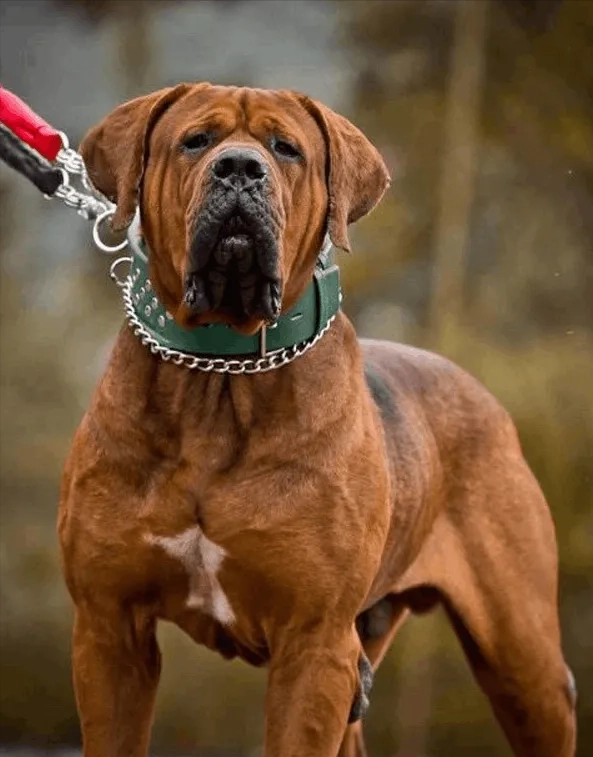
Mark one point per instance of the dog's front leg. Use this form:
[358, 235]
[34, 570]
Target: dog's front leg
[116, 663]
[312, 686]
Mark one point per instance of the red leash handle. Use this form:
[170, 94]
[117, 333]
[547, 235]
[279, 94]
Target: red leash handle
[42, 155]
[28, 126]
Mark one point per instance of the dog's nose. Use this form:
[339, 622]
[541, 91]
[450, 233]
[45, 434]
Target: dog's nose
[239, 166]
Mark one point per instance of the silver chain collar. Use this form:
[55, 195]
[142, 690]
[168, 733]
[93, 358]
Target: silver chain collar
[233, 366]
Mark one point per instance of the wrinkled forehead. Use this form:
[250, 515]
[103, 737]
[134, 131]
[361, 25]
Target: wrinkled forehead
[241, 110]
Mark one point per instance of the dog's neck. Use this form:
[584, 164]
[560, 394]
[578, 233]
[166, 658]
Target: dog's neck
[170, 404]
[217, 347]
[220, 415]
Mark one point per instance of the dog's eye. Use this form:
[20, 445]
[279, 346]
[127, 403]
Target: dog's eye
[285, 149]
[197, 142]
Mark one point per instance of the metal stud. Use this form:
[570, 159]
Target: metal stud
[155, 302]
[147, 311]
[169, 316]
[161, 321]
[148, 285]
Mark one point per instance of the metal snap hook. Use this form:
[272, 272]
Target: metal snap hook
[97, 237]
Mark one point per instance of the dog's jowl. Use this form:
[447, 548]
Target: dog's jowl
[253, 472]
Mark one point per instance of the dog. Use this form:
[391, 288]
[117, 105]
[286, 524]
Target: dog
[295, 513]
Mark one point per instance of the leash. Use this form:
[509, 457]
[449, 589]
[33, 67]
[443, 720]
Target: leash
[43, 155]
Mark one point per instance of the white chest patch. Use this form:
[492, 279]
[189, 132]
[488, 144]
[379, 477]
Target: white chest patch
[202, 559]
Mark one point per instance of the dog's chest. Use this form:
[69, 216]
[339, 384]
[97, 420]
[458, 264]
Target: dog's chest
[201, 561]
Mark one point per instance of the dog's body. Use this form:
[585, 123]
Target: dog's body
[292, 518]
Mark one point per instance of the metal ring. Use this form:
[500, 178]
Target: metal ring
[113, 268]
[97, 238]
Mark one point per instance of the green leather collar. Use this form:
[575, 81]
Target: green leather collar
[310, 316]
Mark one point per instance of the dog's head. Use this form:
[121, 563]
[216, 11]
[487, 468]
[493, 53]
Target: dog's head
[237, 188]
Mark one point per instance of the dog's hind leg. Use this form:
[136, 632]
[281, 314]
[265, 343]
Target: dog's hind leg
[376, 627]
[492, 558]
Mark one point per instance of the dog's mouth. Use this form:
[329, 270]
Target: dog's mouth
[233, 268]
[235, 244]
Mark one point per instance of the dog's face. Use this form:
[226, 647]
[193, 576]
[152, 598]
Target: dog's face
[237, 188]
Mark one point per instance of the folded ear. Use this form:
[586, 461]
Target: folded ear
[357, 177]
[114, 151]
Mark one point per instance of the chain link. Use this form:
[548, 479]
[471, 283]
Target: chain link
[234, 366]
[90, 203]
[87, 201]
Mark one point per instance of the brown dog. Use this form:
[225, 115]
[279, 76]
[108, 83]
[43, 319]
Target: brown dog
[293, 517]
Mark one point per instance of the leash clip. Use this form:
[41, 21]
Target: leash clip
[43, 155]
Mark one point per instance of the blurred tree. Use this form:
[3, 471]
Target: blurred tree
[134, 52]
[134, 49]
[460, 155]
[533, 15]
[95, 11]
[493, 185]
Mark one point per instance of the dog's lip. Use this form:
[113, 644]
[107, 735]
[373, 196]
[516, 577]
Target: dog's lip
[236, 238]
[235, 227]
[235, 235]
[233, 265]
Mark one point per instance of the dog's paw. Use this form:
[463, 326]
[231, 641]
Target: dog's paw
[361, 701]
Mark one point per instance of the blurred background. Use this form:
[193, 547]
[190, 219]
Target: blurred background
[482, 250]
